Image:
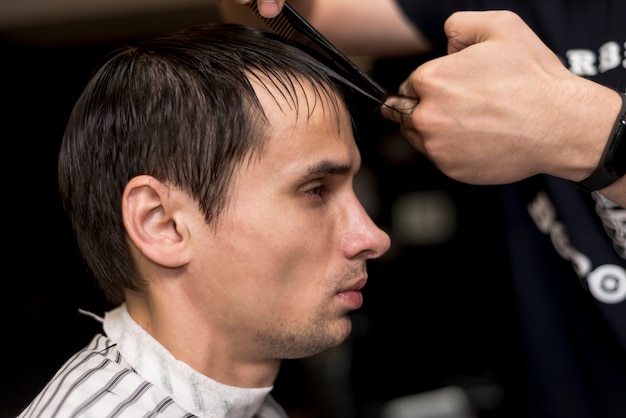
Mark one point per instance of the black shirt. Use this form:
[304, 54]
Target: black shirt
[568, 265]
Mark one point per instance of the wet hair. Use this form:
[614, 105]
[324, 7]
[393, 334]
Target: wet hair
[179, 107]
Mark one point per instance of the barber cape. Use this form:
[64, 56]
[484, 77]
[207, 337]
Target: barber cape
[127, 373]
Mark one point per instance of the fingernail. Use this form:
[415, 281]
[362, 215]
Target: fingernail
[268, 8]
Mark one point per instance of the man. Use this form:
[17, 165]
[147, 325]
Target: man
[208, 175]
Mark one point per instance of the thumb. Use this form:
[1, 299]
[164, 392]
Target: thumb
[468, 28]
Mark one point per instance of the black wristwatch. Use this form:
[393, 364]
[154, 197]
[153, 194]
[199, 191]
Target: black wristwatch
[612, 164]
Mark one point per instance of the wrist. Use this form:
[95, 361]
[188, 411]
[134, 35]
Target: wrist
[612, 165]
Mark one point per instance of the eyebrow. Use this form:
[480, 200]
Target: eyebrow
[327, 168]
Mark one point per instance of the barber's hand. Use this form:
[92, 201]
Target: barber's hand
[267, 8]
[501, 106]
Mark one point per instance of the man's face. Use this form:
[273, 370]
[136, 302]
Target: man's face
[283, 267]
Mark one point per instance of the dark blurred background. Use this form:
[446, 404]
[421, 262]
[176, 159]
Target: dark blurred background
[438, 319]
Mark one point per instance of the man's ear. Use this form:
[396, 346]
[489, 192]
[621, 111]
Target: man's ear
[149, 210]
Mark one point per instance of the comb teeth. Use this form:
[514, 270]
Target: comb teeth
[289, 25]
[279, 24]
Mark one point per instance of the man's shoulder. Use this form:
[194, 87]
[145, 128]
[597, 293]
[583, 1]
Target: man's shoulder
[97, 381]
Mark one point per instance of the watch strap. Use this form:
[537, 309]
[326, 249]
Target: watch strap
[612, 164]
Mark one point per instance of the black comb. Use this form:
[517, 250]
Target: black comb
[293, 27]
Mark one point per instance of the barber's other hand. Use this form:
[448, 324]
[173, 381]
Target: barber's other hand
[501, 106]
[267, 8]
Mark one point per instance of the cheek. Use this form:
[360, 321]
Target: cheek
[284, 230]
[288, 263]
[278, 241]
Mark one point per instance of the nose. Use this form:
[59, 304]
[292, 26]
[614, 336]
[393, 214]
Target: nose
[363, 237]
[381, 239]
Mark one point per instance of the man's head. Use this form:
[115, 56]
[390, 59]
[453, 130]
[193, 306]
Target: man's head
[211, 169]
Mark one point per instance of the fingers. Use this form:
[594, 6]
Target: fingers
[406, 89]
[399, 109]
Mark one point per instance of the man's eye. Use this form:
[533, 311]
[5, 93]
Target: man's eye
[317, 191]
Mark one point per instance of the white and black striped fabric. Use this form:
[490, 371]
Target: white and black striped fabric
[128, 374]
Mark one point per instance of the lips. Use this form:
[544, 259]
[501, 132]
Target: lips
[352, 295]
[356, 286]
